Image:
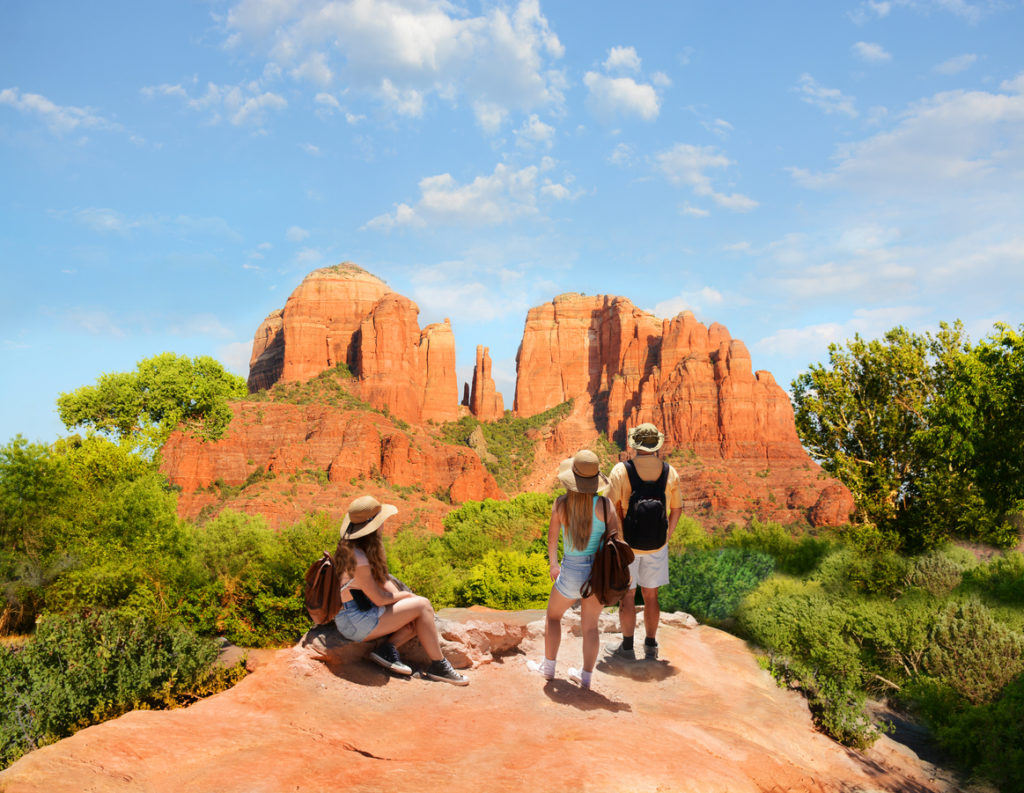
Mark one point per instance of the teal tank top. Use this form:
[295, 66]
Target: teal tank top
[596, 532]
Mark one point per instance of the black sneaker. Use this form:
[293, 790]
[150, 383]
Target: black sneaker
[650, 652]
[386, 655]
[621, 651]
[442, 671]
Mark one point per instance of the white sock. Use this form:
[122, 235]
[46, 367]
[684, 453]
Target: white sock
[585, 678]
[548, 667]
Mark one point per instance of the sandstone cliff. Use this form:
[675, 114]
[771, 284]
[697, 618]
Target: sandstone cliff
[704, 718]
[484, 401]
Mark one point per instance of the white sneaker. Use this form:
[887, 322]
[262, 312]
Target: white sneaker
[536, 666]
[576, 676]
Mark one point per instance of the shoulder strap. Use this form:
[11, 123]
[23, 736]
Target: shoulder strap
[635, 482]
[663, 479]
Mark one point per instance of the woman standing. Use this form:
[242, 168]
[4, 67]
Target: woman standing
[582, 515]
[392, 614]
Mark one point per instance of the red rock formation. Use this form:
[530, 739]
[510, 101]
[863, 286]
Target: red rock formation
[333, 453]
[343, 314]
[485, 402]
[437, 362]
[695, 382]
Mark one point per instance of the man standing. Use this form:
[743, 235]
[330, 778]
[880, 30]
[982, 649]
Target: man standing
[645, 491]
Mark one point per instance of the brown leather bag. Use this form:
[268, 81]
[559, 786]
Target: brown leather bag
[323, 590]
[609, 577]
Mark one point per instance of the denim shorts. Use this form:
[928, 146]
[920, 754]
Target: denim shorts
[575, 572]
[354, 624]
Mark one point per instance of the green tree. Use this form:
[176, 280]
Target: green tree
[143, 407]
[974, 442]
[862, 414]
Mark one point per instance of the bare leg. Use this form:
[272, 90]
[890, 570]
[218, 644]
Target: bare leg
[557, 605]
[403, 634]
[652, 612]
[591, 610]
[627, 613]
[413, 612]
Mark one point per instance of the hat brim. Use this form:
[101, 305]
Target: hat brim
[353, 531]
[634, 445]
[581, 484]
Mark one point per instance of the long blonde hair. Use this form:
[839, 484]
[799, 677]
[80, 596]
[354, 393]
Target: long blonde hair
[372, 546]
[579, 516]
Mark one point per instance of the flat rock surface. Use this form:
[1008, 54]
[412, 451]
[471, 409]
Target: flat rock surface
[703, 718]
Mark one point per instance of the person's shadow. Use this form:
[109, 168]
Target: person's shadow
[566, 693]
[637, 670]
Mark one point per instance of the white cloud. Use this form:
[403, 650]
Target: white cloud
[245, 103]
[328, 101]
[811, 341]
[60, 119]
[199, 325]
[307, 258]
[971, 12]
[110, 221]
[686, 164]
[534, 131]
[620, 96]
[692, 211]
[697, 302]
[296, 234]
[831, 100]
[871, 52]
[309, 148]
[622, 59]
[956, 64]
[407, 51]
[488, 200]
[955, 140]
[235, 356]
[489, 116]
[661, 80]
[622, 154]
[870, 9]
[95, 322]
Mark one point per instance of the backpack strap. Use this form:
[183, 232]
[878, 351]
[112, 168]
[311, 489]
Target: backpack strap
[635, 482]
[663, 479]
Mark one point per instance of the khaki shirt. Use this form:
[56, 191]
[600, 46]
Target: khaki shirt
[648, 467]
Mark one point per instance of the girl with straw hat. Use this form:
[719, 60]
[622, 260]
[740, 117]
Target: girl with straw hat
[581, 515]
[392, 614]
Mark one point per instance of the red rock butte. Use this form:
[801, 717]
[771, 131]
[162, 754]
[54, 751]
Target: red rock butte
[728, 429]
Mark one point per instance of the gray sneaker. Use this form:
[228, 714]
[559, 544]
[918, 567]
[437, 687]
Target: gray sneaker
[650, 652]
[621, 651]
[442, 671]
[386, 655]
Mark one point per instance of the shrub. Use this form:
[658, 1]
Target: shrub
[507, 580]
[709, 584]
[973, 653]
[881, 573]
[84, 669]
[1001, 579]
[936, 573]
[792, 556]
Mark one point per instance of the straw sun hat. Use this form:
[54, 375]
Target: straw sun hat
[645, 438]
[582, 473]
[365, 515]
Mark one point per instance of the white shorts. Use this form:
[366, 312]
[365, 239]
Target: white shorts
[649, 570]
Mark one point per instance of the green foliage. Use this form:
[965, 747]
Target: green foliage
[972, 653]
[143, 407]
[925, 432]
[792, 555]
[83, 669]
[847, 571]
[936, 573]
[507, 580]
[690, 534]
[331, 387]
[508, 440]
[441, 568]
[1001, 579]
[710, 583]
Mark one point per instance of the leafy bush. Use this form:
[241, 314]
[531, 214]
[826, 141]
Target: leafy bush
[507, 580]
[709, 584]
[1001, 579]
[881, 573]
[792, 556]
[973, 653]
[936, 573]
[83, 669]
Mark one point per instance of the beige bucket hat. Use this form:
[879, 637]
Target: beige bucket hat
[645, 438]
[582, 473]
[365, 515]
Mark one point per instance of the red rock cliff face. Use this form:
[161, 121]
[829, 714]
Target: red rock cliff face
[696, 384]
[485, 402]
[343, 314]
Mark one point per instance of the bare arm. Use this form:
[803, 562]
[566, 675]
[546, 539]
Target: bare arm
[380, 595]
[673, 519]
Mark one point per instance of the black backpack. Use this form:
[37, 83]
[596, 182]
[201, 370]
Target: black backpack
[645, 526]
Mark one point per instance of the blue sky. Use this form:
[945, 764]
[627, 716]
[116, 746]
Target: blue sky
[798, 171]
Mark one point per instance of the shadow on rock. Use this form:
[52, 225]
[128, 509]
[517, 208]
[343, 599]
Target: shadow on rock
[565, 693]
[637, 670]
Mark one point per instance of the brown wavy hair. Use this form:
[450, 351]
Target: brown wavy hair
[579, 515]
[372, 546]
